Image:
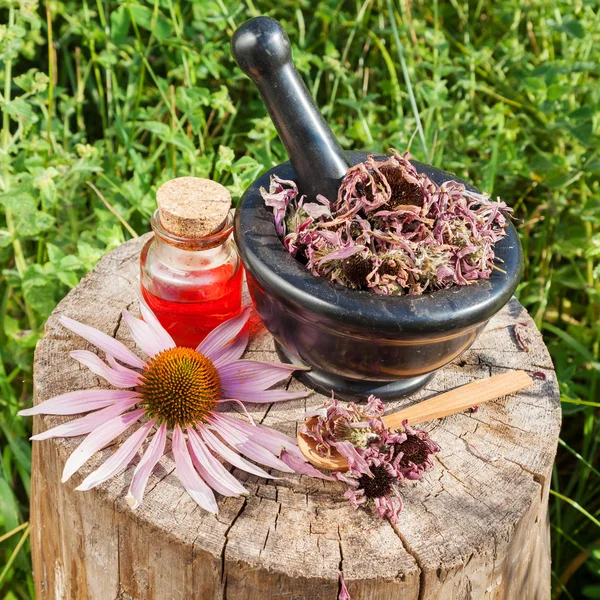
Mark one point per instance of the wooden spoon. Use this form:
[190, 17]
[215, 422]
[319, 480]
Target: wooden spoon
[448, 403]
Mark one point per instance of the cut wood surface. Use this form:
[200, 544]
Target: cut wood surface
[475, 528]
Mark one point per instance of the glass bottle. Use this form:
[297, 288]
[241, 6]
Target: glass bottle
[192, 284]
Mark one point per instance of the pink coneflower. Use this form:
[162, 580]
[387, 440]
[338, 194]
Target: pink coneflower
[176, 393]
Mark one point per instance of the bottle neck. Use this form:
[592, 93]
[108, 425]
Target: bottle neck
[192, 254]
[192, 260]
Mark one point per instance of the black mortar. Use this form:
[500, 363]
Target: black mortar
[358, 343]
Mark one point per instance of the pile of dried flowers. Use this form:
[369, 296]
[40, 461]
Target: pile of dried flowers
[391, 230]
[379, 460]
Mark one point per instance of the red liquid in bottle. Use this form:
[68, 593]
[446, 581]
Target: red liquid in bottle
[197, 312]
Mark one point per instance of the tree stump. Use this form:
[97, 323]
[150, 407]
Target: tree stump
[475, 528]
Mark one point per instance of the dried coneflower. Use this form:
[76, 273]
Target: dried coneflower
[356, 270]
[445, 235]
[402, 191]
[379, 460]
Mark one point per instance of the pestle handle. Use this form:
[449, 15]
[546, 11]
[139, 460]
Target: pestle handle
[262, 50]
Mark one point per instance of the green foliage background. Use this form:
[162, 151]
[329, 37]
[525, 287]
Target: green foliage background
[125, 95]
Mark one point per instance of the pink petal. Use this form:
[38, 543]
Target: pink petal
[81, 401]
[152, 455]
[189, 477]
[88, 423]
[241, 405]
[143, 335]
[166, 341]
[238, 375]
[344, 594]
[99, 438]
[355, 461]
[341, 254]
[123, 379]
[103, 341]
[211, 470]
[117, 366]
[263, 397]
[119, 460]
[268, 438]
[273, 441]
[230, 352]
[229, 455]
[302, 466]
[243, 444]
[219, 337]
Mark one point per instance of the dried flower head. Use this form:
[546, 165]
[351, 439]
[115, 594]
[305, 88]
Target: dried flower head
[414, 455]
[378, 459]
[391, 229]
[402, 191]
[177, 392]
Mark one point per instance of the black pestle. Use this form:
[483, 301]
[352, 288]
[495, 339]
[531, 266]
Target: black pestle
[262, 50]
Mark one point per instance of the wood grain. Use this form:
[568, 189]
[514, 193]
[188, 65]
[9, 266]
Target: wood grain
[475, 528]
[461, 398]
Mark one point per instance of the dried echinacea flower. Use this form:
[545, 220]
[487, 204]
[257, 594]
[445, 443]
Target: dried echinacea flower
[176, 393]
[345, 428]
[391, 229]
[414, 455]
[379, 460]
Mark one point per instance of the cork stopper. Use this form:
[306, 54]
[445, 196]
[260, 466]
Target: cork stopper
[192, 207]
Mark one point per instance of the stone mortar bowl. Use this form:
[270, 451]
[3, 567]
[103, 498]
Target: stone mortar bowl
[356, 342]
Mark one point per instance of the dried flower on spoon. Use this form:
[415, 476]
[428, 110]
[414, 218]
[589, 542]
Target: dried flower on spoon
[391, 230]
[378, 459]
[176, 393]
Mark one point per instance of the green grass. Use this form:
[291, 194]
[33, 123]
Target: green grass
[125, 95]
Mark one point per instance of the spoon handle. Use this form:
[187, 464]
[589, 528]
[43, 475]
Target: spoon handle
[460, 398]
[262, 50]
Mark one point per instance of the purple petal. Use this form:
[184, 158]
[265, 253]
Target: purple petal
[243, 444]
[143, 335]
[119, 460]
[355, 461]
[165, 339]
[192, 482]
[103, 341]
[123, 379]
[73, 403]
[262, 397]
[88, 423]
[219, 337]
[268, 438]
[218, 447]
[344, 594]
[117, 366]
[241, 374]
[316, 211]
[99, 438]
[233, 351]
[341, 254]
[241, 405]
[211, 470]
[302, 466]
[152, 455]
